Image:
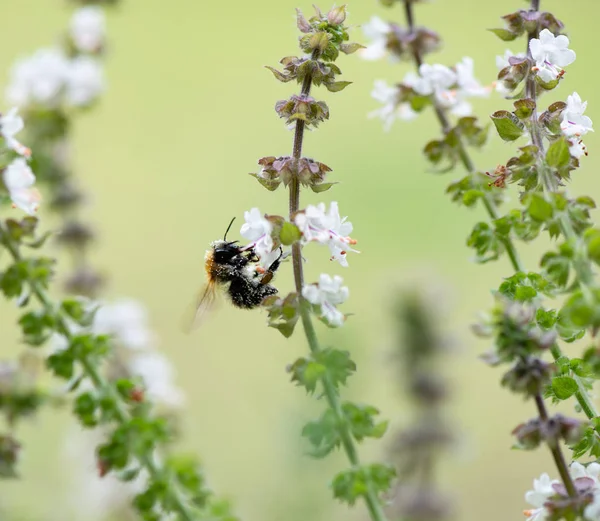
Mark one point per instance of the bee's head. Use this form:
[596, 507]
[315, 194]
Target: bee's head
[224, 251]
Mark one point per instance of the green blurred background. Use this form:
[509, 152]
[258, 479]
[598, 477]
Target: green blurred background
[165, 157]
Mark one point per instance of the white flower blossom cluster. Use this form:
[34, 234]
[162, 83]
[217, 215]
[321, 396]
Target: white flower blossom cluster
[543, 490]
[126, 321]
[450, 87]
[316, 224]
[376, 30]
[49, 78]
[574, 124]
[327, 294]
[17, 176]
[551, 53]
[88, 29]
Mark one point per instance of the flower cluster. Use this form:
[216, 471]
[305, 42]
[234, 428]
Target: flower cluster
[326, 295]
[549, 499]
[17, 176]
[327, 228]
[447, 87]
[52, 78]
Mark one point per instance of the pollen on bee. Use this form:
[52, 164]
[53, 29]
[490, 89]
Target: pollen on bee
[260, 269]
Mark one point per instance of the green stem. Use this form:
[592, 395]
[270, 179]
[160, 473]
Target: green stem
[122, 416]
[371, 499]
[373, 504]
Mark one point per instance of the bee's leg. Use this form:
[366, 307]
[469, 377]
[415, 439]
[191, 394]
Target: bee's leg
[268, 275]
[277, 262]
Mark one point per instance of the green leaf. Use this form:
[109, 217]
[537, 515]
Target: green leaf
[306, 373]
[504, 34]
[361, 419]
[546, 318]
[269, 184]
[592, 238]
[564, 387]
[284, 78]
[337, 86]
[352, 484]
[85, 408]
[558, 155]
[539, 209]
[349, 48]
[338, 364]
[321, 187]
[323, 434]
[508, 125]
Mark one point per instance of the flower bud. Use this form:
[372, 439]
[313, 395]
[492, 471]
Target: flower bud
[75, 234]
[529, 435]
[304, 108]
[528, 376]
[84, 281]
[302, 22]
[9, 454]
[276, 170]
[337, 15]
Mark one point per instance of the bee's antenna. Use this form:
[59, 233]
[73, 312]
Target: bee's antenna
[228, 228]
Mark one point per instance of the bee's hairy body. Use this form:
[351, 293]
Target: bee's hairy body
[234, 268]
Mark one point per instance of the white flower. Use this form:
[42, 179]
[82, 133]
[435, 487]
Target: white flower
[11, 124]
[591, 471]
[38, 79]
[327, 294]
[467, 83]
[574, 123]
[19, 179]
[158, 375]
[377, 31]
[433, 79]
[592, 511]
[550, 54]
[88, 28]
[258, 230]
[542, 490]
[127, 321]
[327, 228]
[85, 81]
[391, 110]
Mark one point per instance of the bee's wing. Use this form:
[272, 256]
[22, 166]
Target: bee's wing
[198, 310]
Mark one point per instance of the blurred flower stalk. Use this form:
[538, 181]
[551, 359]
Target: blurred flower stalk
[417, 449]
[551, 147]
[123, 387]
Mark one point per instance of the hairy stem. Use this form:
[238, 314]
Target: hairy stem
[557, 454]
[371, 499]
[466, 160]
[90, 370]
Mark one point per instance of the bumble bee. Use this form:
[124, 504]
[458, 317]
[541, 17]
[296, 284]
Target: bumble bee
[236, 269]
